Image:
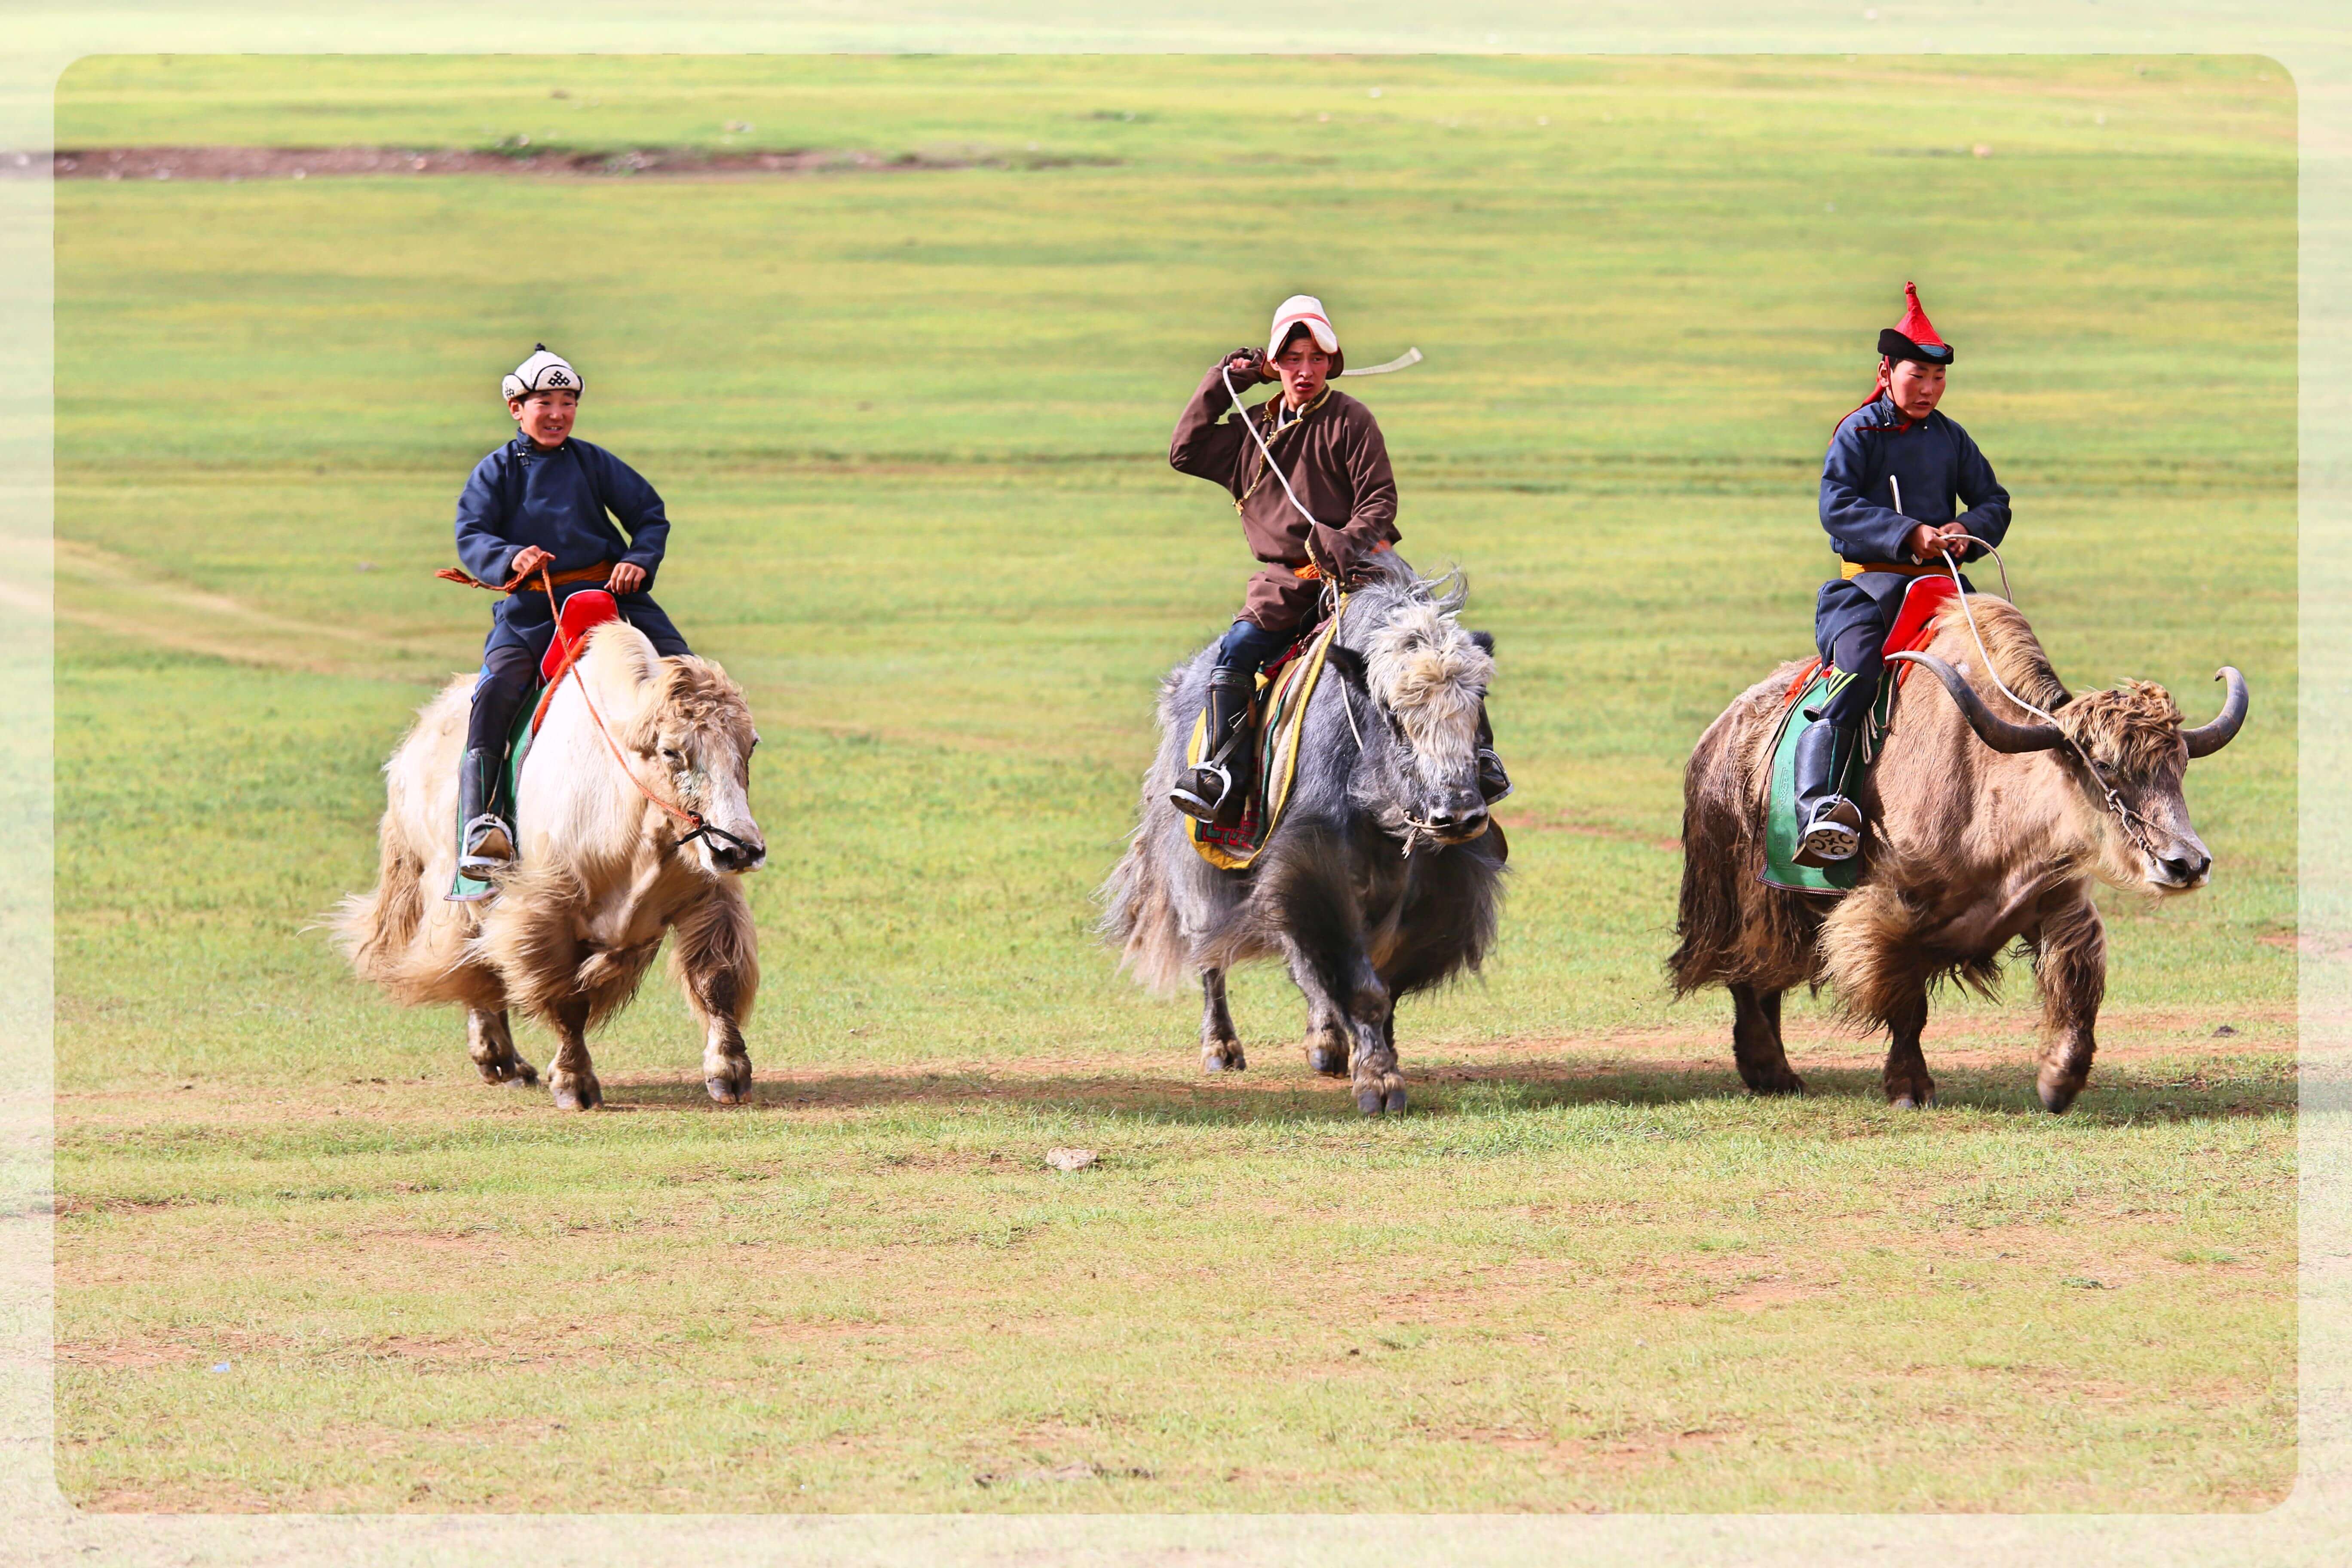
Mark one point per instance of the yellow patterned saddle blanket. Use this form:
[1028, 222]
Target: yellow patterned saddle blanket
[1282, 719]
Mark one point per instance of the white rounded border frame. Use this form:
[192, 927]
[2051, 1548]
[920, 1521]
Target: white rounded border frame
[2310, 40]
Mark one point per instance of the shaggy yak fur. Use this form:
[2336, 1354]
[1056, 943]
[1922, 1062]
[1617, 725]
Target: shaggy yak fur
[1969, 850]
[600, 881]
[1384, 876]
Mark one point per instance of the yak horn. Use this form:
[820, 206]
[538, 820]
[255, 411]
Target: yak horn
[2207, 739]
[1990, 727]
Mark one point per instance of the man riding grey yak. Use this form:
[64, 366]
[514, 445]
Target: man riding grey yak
[1319, 519]
[1895, 469]
[543, 503]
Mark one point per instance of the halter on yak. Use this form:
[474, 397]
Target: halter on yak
[2005, 736]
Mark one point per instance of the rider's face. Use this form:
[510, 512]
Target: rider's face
[545, 417]
[1304, 368]
[1917, 388]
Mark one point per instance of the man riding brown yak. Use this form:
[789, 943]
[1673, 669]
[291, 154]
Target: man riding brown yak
[1897, 472]
[1986, 814]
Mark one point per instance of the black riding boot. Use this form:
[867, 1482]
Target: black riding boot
[485, 837]
[1494, 784]
[1829, 826]
[1217, 789]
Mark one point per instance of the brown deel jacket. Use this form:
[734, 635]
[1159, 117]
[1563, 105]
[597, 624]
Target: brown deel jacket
[1334, 460]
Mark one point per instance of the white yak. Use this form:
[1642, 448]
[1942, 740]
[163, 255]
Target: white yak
[605, 870]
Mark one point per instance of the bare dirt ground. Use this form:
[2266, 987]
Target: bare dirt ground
[1591, 1066]
[233, 163]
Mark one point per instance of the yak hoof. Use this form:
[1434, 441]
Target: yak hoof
[514, 1070]
[1371, 1101]
[581, 1092]
[1906, 1102]
[1396, 1102]
[1328, 1058]
[727, 1076]
[1223, 1055]
[1784, 1082]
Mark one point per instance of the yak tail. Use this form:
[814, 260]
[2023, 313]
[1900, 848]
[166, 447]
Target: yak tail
[1731, 930]
[1711, 916]
[375, 929]
[1139, 920]
[1709, 919]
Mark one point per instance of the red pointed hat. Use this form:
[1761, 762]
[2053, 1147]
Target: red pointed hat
[1916, 338]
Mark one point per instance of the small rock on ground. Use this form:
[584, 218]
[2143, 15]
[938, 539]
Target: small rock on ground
[1069, 1159]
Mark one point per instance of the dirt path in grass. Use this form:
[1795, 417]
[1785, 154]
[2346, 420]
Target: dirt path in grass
[236, 164]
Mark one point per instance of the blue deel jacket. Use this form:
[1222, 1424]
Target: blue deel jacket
[563, 501]
[1938, 467]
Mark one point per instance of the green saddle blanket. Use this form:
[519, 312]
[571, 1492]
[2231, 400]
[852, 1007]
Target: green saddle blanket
[463, 889]
[1780, 825]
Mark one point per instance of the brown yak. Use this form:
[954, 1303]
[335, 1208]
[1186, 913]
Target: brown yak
[605, 872]
[1977, 840]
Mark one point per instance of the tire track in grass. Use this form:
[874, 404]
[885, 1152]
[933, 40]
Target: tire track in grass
[138, 607]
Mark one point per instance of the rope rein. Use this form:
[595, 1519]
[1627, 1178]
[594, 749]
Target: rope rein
[1225, 375]
[2134, 825]
[1348, 705]
[696, 827]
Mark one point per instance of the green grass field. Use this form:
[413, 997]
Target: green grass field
[910, 426]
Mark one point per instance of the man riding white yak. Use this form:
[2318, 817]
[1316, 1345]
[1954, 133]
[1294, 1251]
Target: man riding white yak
[633, 822]
[543, 504]
[1335, 466]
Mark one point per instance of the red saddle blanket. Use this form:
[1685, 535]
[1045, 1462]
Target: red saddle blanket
[1914, 625]
[1921, 602]
[582, 613]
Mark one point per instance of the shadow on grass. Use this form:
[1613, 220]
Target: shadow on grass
[2207, 1090]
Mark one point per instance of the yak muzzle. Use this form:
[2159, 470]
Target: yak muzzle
[1457, 819]
[739, 855]
[2183, 866]
[731, 853]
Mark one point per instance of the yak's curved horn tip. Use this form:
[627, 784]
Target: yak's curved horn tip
[2209, 738]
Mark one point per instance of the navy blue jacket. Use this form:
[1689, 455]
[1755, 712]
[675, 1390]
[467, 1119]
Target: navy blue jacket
[1936, 464]
[523, 494]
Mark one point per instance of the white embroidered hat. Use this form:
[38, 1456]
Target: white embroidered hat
[1308, 308]
[542, 372]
